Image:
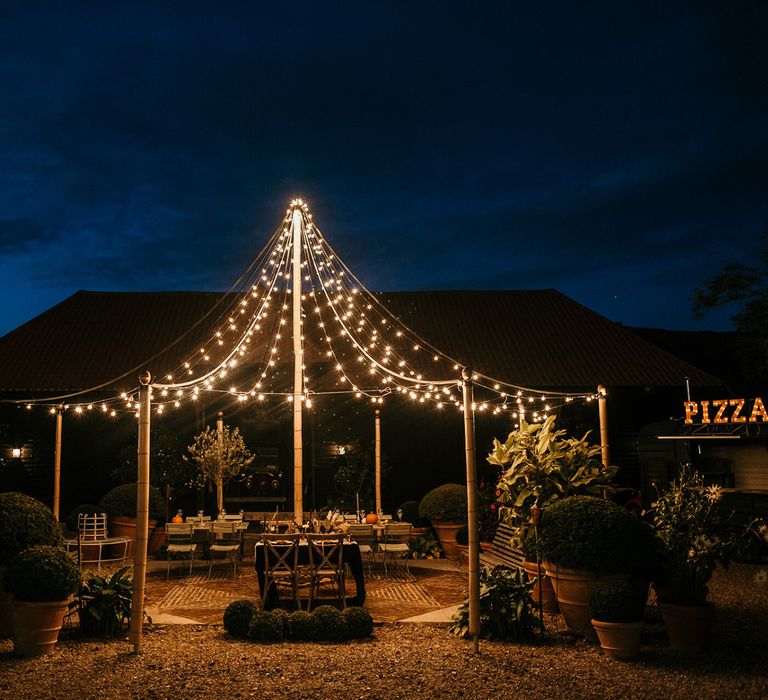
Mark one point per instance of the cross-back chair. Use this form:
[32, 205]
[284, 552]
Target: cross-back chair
[281, 564]
[326, 566]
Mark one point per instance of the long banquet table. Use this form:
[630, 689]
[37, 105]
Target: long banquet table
[352, 558]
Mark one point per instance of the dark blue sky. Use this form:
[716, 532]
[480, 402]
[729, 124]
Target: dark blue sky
[617, 152]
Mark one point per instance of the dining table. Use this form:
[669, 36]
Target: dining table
[352, 559]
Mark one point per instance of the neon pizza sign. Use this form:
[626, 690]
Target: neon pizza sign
[725, 411]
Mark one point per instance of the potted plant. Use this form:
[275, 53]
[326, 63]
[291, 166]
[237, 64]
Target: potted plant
[120, 506]
[41, 580]
[446, 508]
[587, 542]
[506, 607]
[24, 522]
[617, 616]
[539, 465]
[105, 604]
[695, 538]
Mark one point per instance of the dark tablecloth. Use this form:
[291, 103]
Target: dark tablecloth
[352, 558]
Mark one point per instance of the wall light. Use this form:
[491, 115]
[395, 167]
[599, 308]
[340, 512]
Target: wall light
[16, 452]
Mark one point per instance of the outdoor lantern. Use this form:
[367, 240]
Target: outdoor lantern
[16, 452]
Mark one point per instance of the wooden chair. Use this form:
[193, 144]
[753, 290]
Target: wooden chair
[180, 541]
[226, 540]
[395, 544]
[326, 566]
[281, 564]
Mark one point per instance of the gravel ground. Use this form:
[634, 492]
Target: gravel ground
[403, 661]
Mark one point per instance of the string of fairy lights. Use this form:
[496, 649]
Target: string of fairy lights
[351, 343]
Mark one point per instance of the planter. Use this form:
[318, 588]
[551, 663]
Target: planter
[123, 526]
[36, 626]
[543, 592]
[446, 534]
[688, 626]
[619, 640]
[6, 614]
[574, 588]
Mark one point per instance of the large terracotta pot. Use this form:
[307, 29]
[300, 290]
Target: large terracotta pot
[543, 592]
[688, 626]
[6, 615]
[123, 526]
[446, 534]
[36, 626]
[619, 640]
[573, 588]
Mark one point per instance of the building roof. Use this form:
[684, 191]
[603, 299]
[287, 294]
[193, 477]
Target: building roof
[538, 339]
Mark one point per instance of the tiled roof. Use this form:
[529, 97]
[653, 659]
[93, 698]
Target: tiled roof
[539, 339]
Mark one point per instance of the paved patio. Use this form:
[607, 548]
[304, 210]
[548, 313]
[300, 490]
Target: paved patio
[425, 592]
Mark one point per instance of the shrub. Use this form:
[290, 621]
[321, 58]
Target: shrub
[446, 502]
[24, 523]
[42, 573]
[617, 602]
[266, 627]
[506, 607]
[282, 615]
[424, 547]
[359, 623]
[592, 534]
[85, 509]
[121, 501]
[301, 626]
[411, 514]
[105, 604]
[330, 624]
[238, 615]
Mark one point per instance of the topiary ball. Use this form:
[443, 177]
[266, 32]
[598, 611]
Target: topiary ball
[265, 627]
[282, 615]
[331, 626]
[446, 502]
[301, 626]
[238, 615]
[591, 534]
[42, 573]
[359, 623]
[24, 523]
[121, 502]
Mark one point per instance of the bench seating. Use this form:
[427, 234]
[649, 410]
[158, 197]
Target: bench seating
[502, 553]
[93, 544]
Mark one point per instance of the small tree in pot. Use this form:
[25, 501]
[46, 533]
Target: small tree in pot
[41, 580]
[446, 508]
[617, 616]
[587, 542]
[24, 522]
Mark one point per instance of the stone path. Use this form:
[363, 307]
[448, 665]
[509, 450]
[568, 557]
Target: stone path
[396, 596]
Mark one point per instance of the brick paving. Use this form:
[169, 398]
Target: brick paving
[389, 598]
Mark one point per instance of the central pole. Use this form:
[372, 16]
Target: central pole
[378, 462]
[57, 463]
[473, 539]
[298, 360]
[220, 456]
[142, 516]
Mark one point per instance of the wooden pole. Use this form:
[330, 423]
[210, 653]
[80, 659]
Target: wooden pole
[474, 540]
[142, 516]
[378, 461]
[220, 456]
[57, 462]
[298, 388]
[602, 412]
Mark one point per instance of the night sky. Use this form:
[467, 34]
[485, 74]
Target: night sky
[617, 152]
